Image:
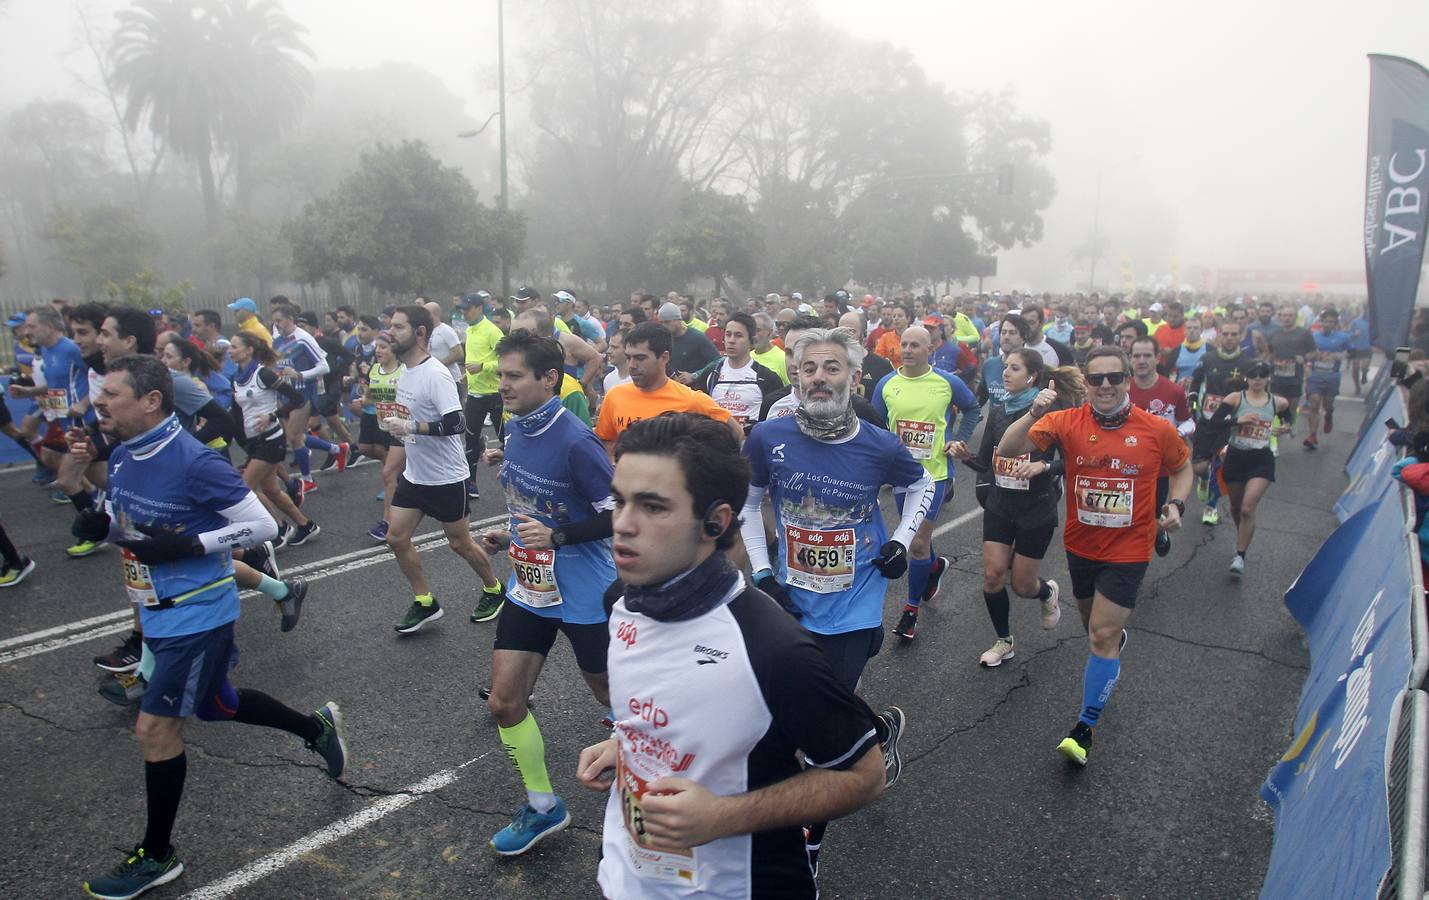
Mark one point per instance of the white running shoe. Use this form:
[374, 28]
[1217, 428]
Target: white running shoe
[1000, 651]
[1237, 565]
[1051, 609]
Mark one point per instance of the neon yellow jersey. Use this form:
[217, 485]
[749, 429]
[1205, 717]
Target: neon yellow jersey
[774, 359]
[1153, 327]
[481, 340]
[965, 331]
[562, 326]
[699, 326]
[920, 411]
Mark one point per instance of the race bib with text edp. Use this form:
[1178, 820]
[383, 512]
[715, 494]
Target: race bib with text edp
[820, 561]
[535, 572]
[917, 437]
[1105, 502]
[678, 866]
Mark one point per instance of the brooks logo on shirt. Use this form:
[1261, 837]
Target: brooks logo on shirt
[711, 652]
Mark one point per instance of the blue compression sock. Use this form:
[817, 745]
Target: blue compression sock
[301, 457]
[918, 570]
[1213, 484]
[313, 442]
[1098, 681]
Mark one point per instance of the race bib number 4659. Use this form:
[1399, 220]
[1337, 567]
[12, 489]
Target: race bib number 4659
[820, 561]
[1105, 502]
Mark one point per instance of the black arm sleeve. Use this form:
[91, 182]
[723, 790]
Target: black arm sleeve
[452, 423]
[595, 528]
[217, 423]
[1223, 414]
[269, 379]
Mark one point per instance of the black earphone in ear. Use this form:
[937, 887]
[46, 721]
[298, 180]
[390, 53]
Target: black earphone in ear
[713, 528]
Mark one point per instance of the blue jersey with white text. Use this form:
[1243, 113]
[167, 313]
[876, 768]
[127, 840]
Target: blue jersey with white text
[1339, 342]
[66, 377]
[557, 473]
[825, 501]
[165, 477]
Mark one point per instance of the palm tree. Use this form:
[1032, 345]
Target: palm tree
[165, 68]
[262, 51]
[218, 77]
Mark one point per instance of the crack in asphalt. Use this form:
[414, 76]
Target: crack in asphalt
[7, 704]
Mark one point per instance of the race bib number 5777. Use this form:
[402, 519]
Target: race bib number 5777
[1106, 502]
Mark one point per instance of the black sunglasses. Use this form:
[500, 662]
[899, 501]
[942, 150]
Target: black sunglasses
[1100, 378]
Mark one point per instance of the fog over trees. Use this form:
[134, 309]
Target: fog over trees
[652, 146]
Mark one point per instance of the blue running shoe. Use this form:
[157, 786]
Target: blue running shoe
[135, 875]
[528, 828]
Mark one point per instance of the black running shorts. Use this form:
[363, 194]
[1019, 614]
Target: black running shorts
[443, 502]
[518, 628]
[1031, 542]
[849, 652]
[1118, 582]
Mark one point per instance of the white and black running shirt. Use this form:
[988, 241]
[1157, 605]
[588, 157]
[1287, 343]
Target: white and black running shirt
[739, 391]
[425, 393]
[724, 699]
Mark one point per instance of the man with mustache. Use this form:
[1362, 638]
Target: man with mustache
[823, 467]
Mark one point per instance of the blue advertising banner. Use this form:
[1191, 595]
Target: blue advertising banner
[1329, 790]
[1396, 195]
[10, 451]
[1375, 398]
[1372, 459]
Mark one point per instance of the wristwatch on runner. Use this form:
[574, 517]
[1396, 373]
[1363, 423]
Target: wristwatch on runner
[1179, 504]
[558, 537]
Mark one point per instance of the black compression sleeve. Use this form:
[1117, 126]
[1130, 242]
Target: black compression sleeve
[452, 423]
[217, 423]
[595, 528]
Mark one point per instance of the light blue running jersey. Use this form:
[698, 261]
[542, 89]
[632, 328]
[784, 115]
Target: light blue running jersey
[825, 500]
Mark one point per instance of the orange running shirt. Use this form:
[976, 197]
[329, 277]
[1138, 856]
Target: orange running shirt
[626, 403]
[1111, 479]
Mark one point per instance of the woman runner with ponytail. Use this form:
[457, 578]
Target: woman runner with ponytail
[1019, 497]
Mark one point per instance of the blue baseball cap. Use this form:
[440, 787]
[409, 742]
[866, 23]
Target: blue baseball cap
[16, 320]
[244, 303]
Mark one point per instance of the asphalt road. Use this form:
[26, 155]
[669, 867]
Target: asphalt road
[1168, 806]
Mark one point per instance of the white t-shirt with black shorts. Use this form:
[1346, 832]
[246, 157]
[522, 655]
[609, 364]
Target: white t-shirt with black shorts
[724, 699]
[434, 479]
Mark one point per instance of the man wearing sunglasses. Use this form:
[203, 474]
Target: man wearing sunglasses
[1114, 452]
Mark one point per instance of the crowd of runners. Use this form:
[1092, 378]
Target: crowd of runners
[679, 480]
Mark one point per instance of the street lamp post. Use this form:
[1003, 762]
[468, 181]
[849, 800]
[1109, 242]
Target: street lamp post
[501, 111]
[501, 114]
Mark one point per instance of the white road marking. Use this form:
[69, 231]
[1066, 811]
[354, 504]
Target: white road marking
[116, 622]
[960, 520]
[262, 868]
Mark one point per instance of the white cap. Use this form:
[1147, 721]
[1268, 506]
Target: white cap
[1157, 307]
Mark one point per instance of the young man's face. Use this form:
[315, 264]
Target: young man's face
[85, 335]
[656, 533]
[110, 344]
[1143, 359]
[521, 391]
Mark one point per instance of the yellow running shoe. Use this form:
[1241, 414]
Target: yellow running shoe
[1076, 745]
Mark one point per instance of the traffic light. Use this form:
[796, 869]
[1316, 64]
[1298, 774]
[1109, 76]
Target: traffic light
[1004, 179]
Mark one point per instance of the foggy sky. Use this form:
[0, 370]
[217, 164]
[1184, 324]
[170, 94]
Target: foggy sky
[1224, 134]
